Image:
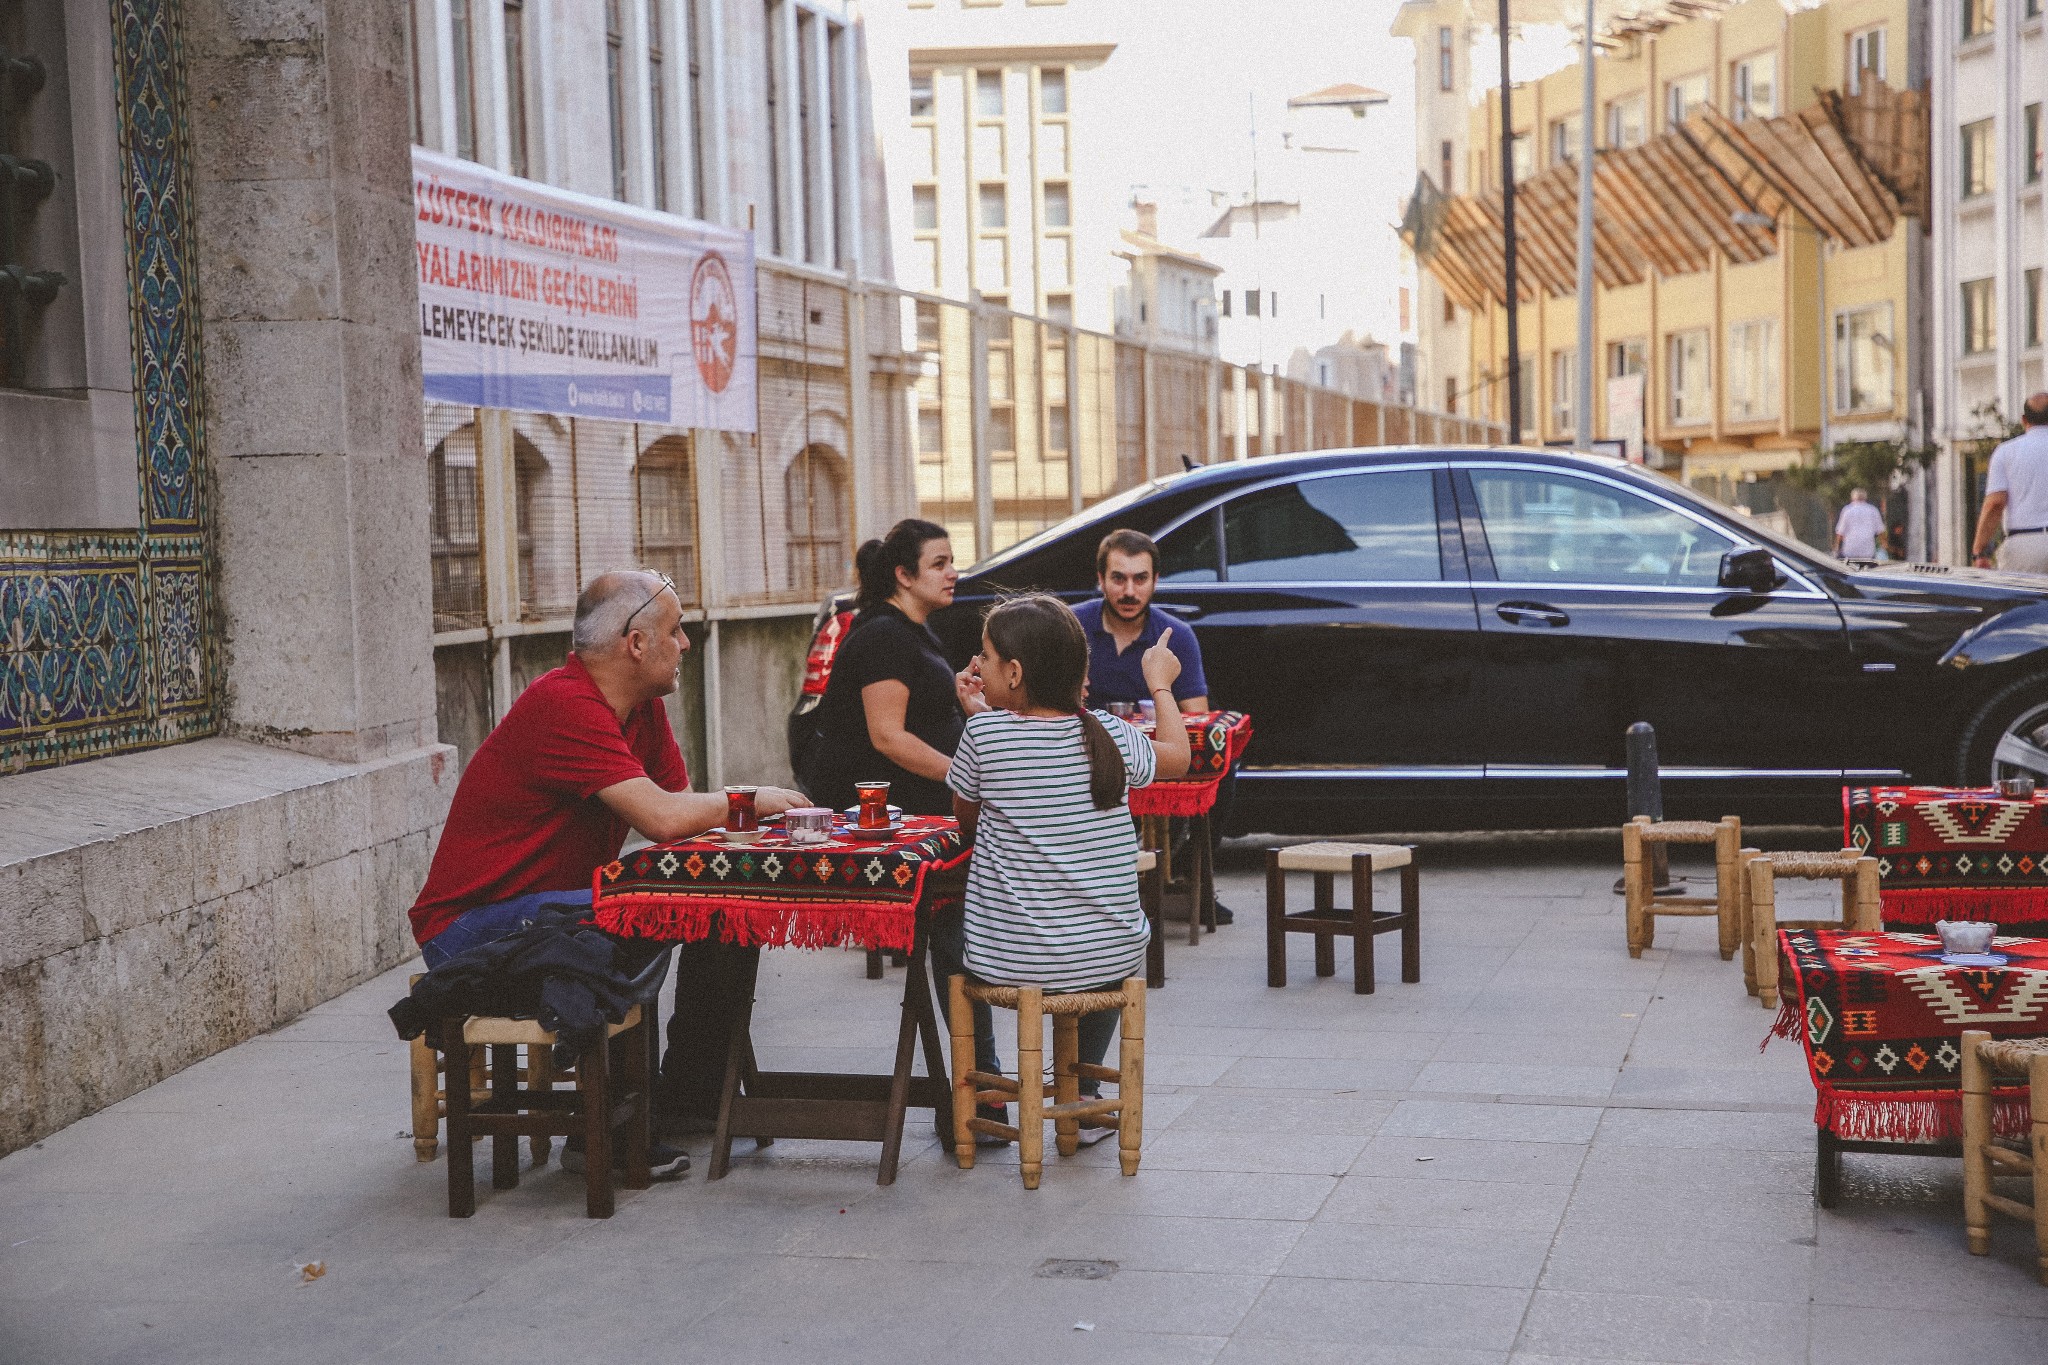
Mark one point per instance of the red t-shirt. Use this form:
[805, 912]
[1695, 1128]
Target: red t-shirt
[526, 815]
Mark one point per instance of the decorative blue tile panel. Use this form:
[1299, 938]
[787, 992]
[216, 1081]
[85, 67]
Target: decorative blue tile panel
[109, 639]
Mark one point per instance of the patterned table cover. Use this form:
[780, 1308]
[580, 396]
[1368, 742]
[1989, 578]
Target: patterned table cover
[1958, 853]
[771, 893]
[1881, 1017]
[1216, 740]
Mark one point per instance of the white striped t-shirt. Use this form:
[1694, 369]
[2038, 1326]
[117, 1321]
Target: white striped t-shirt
[1052, 891]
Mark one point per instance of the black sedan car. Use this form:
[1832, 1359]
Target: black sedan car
[1438, 639]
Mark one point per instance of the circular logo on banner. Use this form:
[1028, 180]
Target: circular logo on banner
[714, 322]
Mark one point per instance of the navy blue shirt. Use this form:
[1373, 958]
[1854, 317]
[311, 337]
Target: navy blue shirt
[1120, 677]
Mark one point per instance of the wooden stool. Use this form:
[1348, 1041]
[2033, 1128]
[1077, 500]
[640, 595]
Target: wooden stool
[593, 1108]
[1125, 1112]
[429, 1100]
[1152, 896]
[1858, 876]
[1642, 834]
[1984, 1059]
[1361, 922]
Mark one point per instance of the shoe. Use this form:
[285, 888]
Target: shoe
[685, 1125]
[1223, 915]
[995, 1113]
[663, 1161]
[1095, 1130]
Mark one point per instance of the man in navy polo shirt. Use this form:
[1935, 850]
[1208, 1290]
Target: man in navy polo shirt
[1122, 624]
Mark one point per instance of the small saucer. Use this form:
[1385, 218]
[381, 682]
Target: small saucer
[1974, 959]
[740, 836]
[859, 835]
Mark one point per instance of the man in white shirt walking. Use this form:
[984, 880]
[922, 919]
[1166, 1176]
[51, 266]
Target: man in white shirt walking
[1860, 528]
[2017, 491]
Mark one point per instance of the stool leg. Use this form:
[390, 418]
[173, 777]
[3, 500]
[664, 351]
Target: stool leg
[1326, 941]
[638, 1080]
[540, 1075]
[1869, 912]
[1361, 924]
[1411, 920]
[1276, 917]
[960, 1023]
[461, 1143]
[1066, 1086]
[505, 1088]
[1743, 914]
[874, 964]
[1763, 931]
[1634, 886]
[593, 1078]
[426, 1100]
[2037, 1148]
[1031, 1083]
[1130, 1083]
[1976, 1133]
[1727, 868]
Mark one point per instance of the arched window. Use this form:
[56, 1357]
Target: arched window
[814, 496]
[665, 490]
[452, 532]
[528, 469]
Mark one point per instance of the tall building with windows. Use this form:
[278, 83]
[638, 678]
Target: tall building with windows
[1442, 33]
[1990, 243]
[751, 114]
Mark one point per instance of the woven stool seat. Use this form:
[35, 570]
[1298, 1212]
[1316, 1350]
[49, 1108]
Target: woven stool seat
[1986, 1156]
[1860, 911]
[1681, 831]
[1641, 872]
[1067, 1002]
[1336, 857]
[487, 1029]
[1817, 867]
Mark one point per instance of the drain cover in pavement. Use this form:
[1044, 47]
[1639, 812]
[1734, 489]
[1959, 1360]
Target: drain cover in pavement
[1057, 1269]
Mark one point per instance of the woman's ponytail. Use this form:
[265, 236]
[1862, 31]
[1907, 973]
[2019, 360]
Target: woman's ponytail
[877, 561]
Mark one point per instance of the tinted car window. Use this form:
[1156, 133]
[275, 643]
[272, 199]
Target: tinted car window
[1353, 528]
[1556, 528]
[1189, 554]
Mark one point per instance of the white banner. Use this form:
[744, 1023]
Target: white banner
[1625, 413]
[541, 300]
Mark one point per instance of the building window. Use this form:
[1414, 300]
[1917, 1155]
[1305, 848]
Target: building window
[988, 94]
[1686, 368]
[1980, 317]
[1866, 57]
[657, 102]
[927, 326]
[931, 434]
[1563, 387]
[1863, 359]
[458, 586]
[461, 35]
[615, 91]
[995, 206]
[1753, 87]
[1444, 158]
[1682, 97]
[1564, 140]
[1625, 358]
[924, 208]
[515, 87]
[1052, 90]
[1525, 158]
[920, 94]
[1273, 304]
[1446, 59]
[1980, 174]
[1056, 427]
[667, 500]
[1224, 296]
[1450, 394]
[1979, 17]
[2031, 287]
[1060, 309]
[1751, 376]
[814, 501]
[701, 119]
[1058, 209]
[1626, 123]
[2030, 130]
[1251, 303]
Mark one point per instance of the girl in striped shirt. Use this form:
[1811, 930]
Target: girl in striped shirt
[1040, 786]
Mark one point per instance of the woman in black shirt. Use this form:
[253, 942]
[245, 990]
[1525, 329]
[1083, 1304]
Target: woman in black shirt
[894, 708]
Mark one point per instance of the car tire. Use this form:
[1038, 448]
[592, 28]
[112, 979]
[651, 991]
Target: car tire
[2023, 704]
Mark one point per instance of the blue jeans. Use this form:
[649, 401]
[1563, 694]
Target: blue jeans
[474, 928]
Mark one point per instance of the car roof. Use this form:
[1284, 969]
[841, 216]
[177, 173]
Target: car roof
[1279, 466]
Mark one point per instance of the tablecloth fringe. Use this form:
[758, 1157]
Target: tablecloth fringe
[1177, 798]
[1921, 906]
[750, 923]
[1912, 1115]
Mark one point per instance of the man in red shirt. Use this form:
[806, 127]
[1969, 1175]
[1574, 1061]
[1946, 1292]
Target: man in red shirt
[584, 754]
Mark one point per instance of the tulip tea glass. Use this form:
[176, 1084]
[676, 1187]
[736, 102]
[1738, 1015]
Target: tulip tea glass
[874, 804]
[740, 812]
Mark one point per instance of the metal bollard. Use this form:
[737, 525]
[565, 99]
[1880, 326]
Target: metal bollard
[1646, 797]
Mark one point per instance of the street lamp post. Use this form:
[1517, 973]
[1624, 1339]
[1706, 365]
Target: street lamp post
[1507, 195]
[1584, 410]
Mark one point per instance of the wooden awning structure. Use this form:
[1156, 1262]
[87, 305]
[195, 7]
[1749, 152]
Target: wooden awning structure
[1849, 166]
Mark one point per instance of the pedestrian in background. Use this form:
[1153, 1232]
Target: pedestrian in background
[2017, 491]
[1860, 528]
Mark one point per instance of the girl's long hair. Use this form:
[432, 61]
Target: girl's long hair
[1043, 634]
[878, 560]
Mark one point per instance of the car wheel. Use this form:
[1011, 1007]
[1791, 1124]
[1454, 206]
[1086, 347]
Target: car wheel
[2008, 736]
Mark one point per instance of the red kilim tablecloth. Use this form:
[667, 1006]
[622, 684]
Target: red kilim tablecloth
[1953, 853]
[771, 893]
[1216, 740]
[1882, 1017]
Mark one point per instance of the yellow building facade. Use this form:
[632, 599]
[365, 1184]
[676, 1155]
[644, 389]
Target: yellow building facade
[1747, 367]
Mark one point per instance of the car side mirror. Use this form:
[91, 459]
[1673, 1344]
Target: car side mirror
[1749, 570]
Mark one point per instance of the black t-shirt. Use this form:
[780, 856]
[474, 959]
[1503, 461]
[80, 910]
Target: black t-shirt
[885, 645]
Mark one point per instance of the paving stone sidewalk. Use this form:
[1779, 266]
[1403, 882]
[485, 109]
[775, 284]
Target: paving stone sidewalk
[1545, 1152]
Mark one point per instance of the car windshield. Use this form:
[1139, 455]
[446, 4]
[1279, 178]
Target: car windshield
[1108, 507]
[1790, 547]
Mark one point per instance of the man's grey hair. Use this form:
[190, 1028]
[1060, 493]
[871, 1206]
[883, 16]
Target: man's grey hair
[603, 607]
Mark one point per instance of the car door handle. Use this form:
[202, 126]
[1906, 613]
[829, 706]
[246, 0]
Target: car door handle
[1184, 610]
[1531, 614]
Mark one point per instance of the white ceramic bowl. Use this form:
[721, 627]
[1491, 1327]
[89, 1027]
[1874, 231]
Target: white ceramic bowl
[1965, 936]
[739, 836]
